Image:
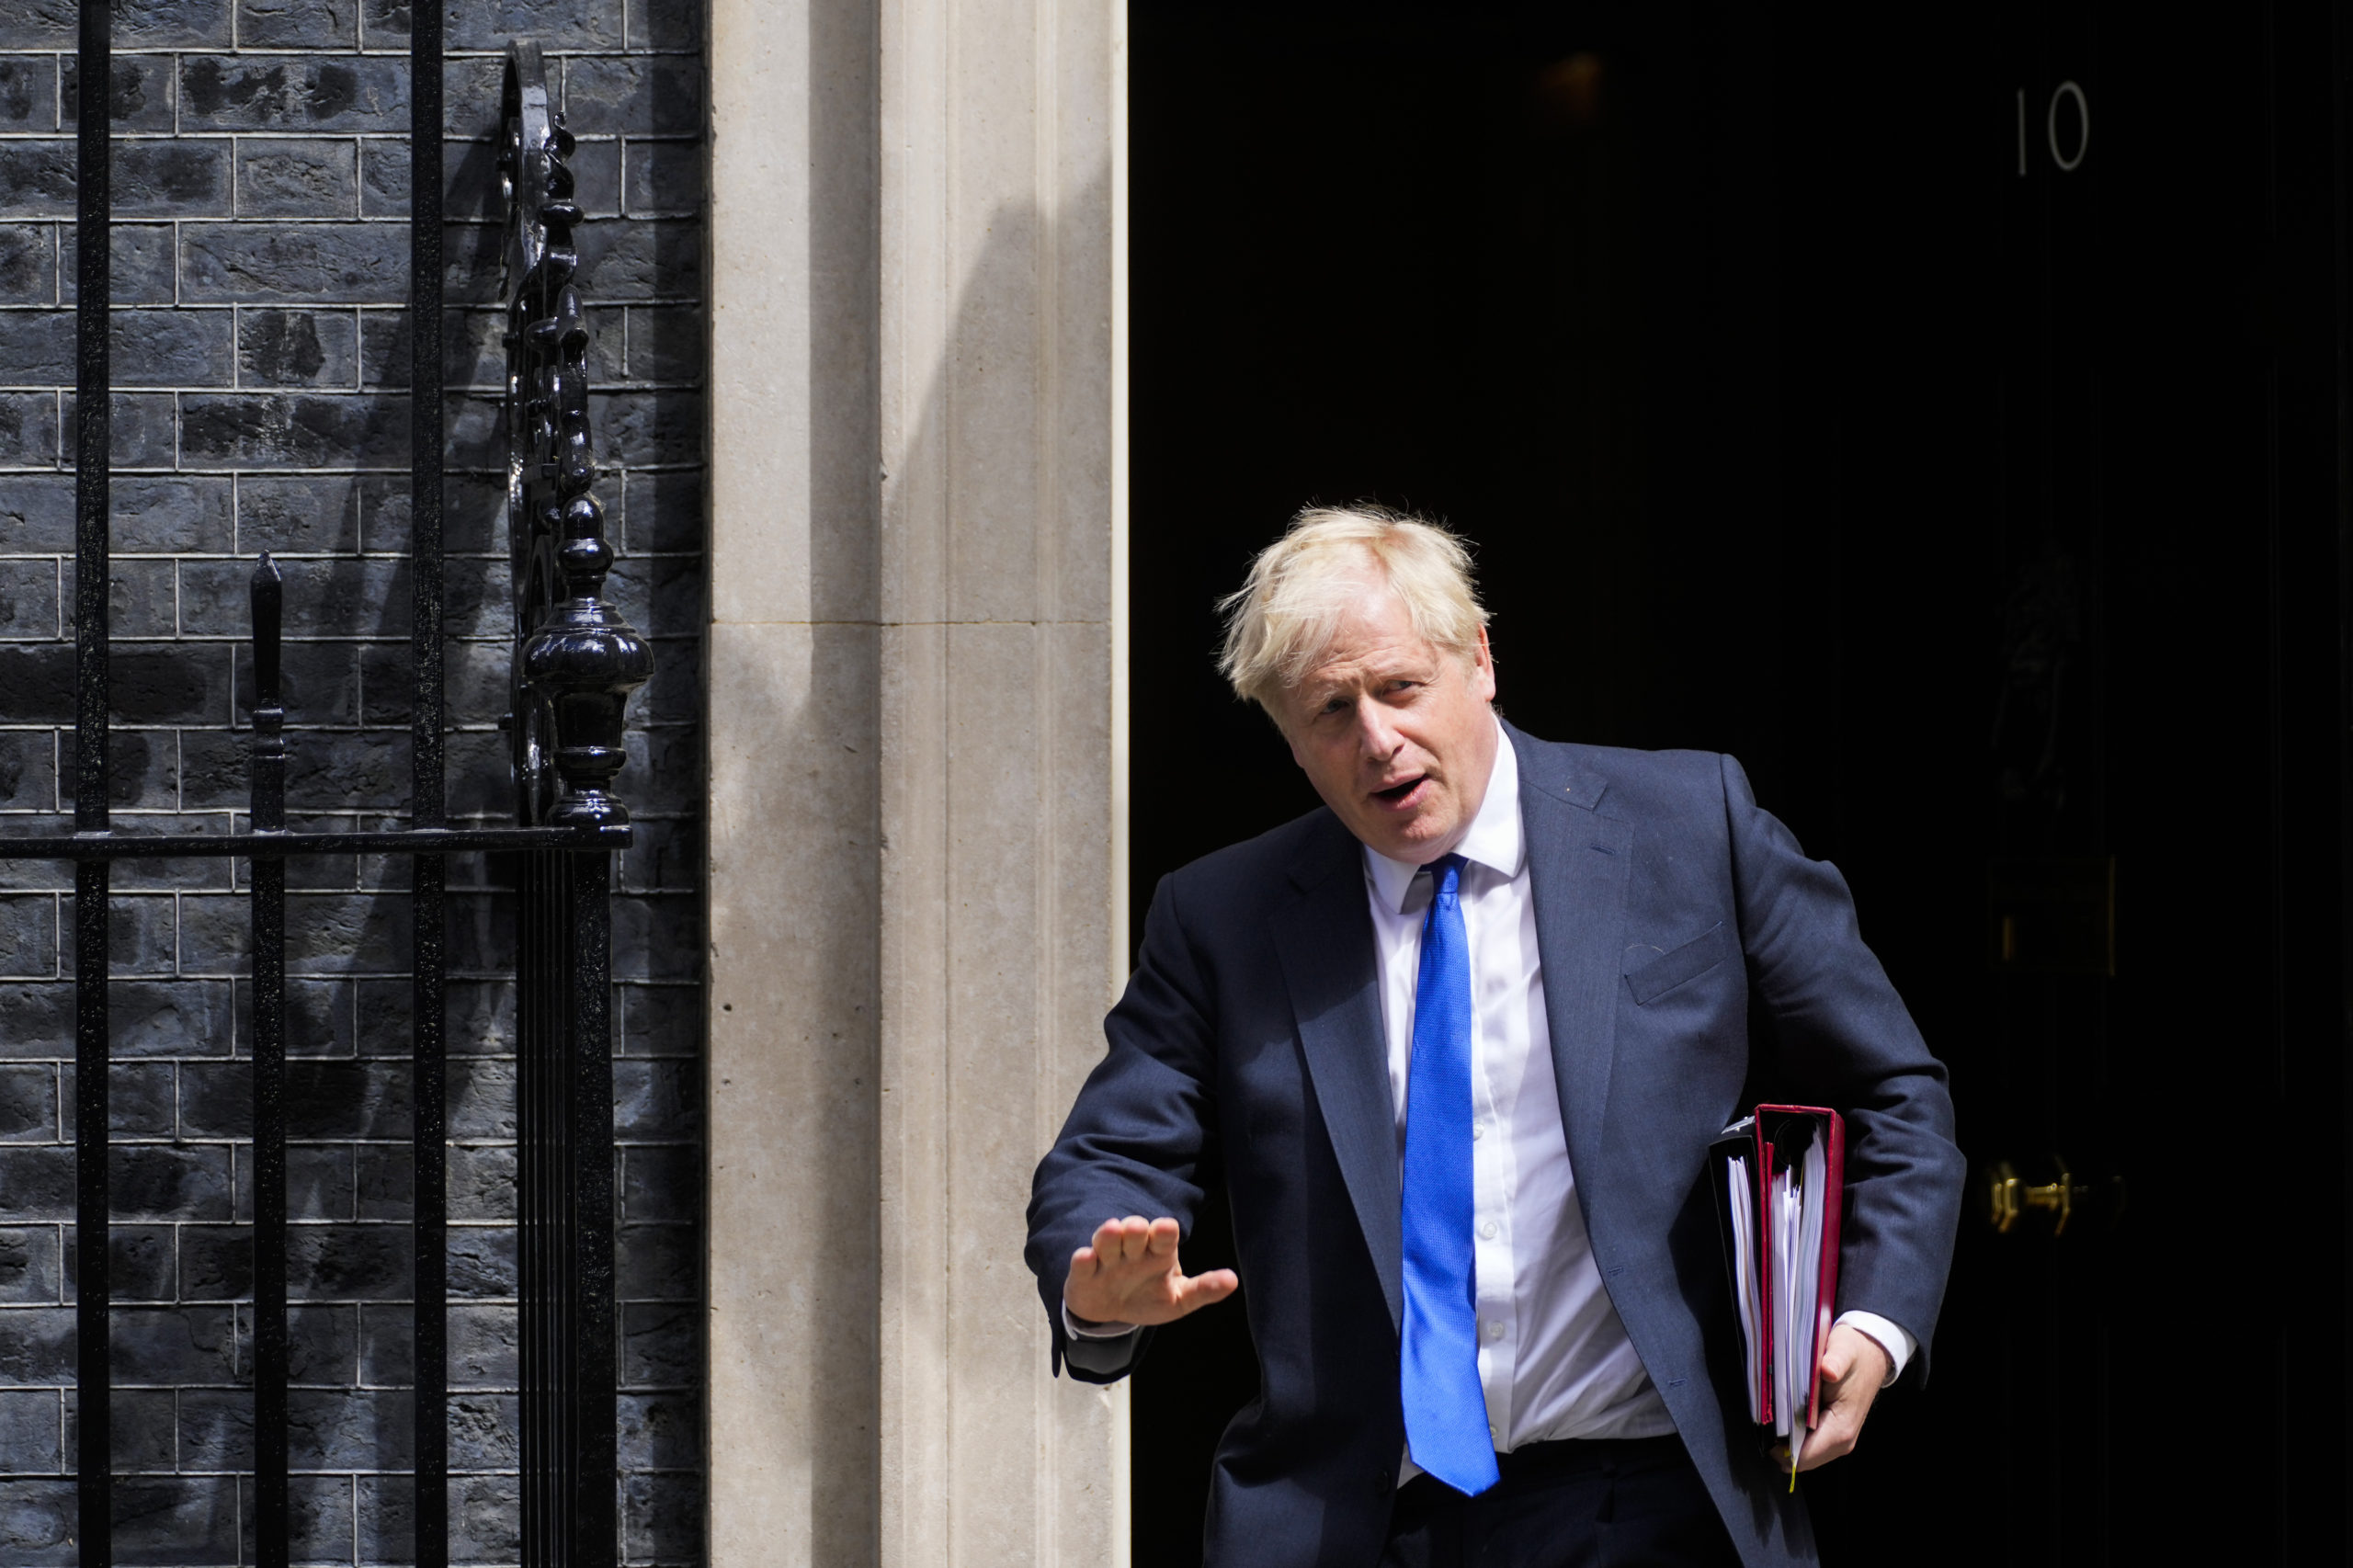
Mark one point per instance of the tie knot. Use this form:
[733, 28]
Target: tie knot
[1445, 877]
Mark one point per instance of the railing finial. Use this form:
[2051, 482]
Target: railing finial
[579, 659]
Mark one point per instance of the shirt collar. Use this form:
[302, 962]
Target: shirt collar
[1494, 840]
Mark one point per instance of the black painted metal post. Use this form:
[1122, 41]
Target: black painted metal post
[93, 1358]
[429, 873]
[270, 1348]
[579, 661]
[539, 1027]
[594, 1449]
[539, 1003]
[563, 1396]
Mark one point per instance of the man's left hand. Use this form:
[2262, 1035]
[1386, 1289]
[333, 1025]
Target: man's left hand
[1853, 1367]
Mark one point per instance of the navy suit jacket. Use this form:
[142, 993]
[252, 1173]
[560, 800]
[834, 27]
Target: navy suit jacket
[1693, 958]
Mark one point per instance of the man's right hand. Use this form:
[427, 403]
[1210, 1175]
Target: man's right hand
[1129, 1274]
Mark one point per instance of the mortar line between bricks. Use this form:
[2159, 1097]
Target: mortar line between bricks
[295, 471]
[344, 51]
[222, 132]
[336, 557]
[617, 388]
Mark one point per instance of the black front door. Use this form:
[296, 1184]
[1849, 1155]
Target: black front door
[1943, 415]
[2130, 527]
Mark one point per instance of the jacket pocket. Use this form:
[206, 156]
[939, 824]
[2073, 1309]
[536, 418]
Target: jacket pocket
[1666, 970]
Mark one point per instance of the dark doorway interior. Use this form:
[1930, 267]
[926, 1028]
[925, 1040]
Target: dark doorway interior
[1995, 518]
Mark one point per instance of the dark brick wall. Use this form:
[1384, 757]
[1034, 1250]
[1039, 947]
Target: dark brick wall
[260, 270]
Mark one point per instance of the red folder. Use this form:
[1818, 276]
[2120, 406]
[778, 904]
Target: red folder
[1780, 1181]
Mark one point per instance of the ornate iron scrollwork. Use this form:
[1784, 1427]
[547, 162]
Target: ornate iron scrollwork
[577, 660]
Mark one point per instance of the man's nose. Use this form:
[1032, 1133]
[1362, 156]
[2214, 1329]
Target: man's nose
[1379, 738]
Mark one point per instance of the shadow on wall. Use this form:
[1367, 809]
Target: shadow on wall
[795, 760]
[797, 775]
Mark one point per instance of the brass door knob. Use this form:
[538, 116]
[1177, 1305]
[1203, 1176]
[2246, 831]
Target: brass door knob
[2012, 1196]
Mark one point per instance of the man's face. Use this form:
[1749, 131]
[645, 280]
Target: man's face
[1396, 735]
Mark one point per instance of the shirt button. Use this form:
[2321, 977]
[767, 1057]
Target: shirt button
[1495, 1331]
[1478, 1130]
[1493, 1436]
[1490, 1230]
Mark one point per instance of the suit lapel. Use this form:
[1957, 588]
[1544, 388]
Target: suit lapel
[1324, 941]
[1578, 861]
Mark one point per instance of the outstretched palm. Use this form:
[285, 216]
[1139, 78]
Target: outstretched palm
[1129, 1273]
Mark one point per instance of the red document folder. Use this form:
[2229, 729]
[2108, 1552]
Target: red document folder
[1779, 1176]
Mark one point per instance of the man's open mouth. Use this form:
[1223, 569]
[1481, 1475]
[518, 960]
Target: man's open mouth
[1396, 793]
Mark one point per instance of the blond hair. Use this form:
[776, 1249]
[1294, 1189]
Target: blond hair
[1280, 623]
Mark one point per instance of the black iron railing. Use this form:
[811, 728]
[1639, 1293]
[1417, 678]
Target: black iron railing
[575, 662]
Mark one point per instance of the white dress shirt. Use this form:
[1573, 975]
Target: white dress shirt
[1553, 1358]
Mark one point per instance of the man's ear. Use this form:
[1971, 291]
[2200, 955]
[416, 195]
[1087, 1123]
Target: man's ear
[1482, 666]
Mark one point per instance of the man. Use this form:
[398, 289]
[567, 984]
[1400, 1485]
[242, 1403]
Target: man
[1460, 1040]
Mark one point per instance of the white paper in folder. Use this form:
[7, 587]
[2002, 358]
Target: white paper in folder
[1781, 1177]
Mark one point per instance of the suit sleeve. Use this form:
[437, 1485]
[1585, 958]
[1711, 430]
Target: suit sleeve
[1136, 1138]
[1839, 1036]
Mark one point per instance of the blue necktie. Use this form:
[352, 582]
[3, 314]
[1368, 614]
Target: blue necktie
[1446, 1411]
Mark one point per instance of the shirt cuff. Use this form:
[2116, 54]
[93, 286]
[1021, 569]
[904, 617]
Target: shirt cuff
[1076, 1330]
[1895, 1340]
